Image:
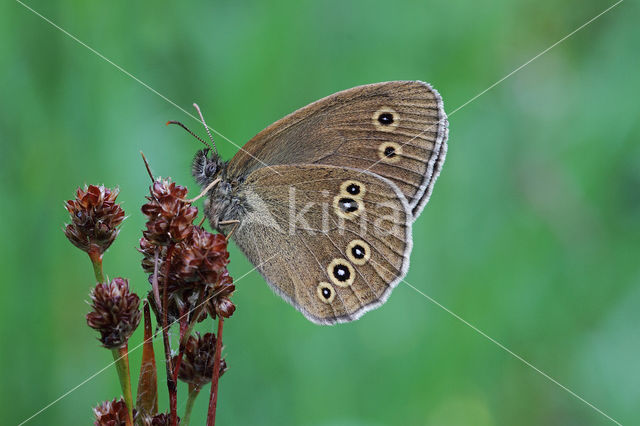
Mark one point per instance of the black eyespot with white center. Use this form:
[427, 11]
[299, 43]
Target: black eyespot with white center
[353, 189]
[386, 119]
[341, 273]
[348, 205]
[358, 252]
[326, 292]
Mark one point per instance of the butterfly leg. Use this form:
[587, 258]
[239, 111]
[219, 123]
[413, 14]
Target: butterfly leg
[204, 191]
[235, 223]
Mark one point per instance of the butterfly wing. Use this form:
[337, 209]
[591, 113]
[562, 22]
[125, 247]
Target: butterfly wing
[397, 130]
[331, 241]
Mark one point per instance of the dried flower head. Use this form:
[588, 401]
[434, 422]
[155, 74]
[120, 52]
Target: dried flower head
[198, 271]
[201, 258]
[115, 313]
[95, 218]
[169, 215]
[219, 302]
[162, 419]
[111, 413]
[197, 363]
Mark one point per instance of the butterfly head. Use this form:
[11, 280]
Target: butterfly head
[207, 166]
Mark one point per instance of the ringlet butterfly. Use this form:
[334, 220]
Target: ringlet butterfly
[322, 201]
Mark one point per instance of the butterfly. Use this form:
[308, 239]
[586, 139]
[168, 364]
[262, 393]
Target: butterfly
[323, 200]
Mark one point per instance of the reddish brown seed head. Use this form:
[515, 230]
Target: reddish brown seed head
[95, 218]
[115, 313]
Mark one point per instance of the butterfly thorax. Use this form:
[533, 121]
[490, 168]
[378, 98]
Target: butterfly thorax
[224, 202]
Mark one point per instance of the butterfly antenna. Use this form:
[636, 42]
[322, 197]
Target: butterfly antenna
[205, 126]
[190, 132]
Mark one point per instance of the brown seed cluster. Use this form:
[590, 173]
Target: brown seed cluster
[169, 215]
[114, 413]
[198, 264]
[95, 218]
[115, 313]
[219, 302]
[162, 419]
[111, 413]
[197, 363]
[186, 265]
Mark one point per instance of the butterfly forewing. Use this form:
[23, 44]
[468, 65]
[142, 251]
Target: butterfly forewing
[397, 130]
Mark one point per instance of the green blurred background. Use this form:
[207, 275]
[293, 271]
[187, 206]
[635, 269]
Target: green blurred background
[532, 234]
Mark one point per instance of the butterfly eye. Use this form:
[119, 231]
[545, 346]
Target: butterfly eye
[210, 169]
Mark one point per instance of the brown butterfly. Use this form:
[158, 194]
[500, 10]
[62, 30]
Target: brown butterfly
[322, 201]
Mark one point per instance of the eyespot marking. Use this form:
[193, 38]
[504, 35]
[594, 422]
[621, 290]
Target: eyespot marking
[358, 252]
[347, 207]
[326, 293]
[389, 152]
[386, 119]
[353, 188]
[341, 273]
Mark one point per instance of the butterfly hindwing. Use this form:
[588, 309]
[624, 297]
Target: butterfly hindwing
[332, 241]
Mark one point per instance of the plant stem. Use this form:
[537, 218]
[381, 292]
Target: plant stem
[171, 383]
[194, 391]
[185, 332]
[184, 327]
[121, 357]
[154, 280]
[96, 261]
[213, 398]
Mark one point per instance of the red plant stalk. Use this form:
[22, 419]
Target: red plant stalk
[171, 383]
[185, 332]
[213, 398]
[184, 329]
